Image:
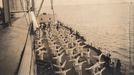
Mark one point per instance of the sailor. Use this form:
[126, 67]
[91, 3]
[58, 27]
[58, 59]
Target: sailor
[41, 47]
[71, 45]
[48, 26]
[118, 66]
[99, 57]
[71, 37]
[78, 67]
[39, 32]
[97, 65]
[71, 31]
[59, 58]
[107, 60]
[61, 65]
[57, 27]
[75, 60]
[61, 31]
[43, 25]
[59, 51]
[53, 49]
[52, 44]
[62, 37]
[75, 54]
[65, 46]
[63, 72]
[77, 42]
[100, 72]
[41, 54]
[70, 51]
[80, 49]
[63, 40]
[88, 57]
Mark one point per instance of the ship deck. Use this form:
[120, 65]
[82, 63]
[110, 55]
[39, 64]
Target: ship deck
[12, 41]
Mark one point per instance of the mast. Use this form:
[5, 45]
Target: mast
[33, 6]
[130, 37]
[52, 8]
[6, 7]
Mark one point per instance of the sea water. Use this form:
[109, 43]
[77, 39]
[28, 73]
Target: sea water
[105, 25]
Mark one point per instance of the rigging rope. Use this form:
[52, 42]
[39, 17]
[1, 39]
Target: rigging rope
[27, 20]
[52, 8]
[40, 7]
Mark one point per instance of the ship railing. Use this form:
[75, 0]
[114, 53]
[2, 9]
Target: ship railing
[27, 62]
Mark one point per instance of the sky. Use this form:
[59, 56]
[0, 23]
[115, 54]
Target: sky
[77, 2]
[85, 1]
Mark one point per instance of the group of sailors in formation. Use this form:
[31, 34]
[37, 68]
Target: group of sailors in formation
[65, 46]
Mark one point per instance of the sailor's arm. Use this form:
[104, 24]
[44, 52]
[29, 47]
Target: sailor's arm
[101, 63]
[60, 51]
[63, 65]
[75, 54]
[83, 62]
[78, 58]
[58, 71]
[96, 57]
[103, 69]
[56, 65]
[100, 72]
[55, 57]
[41, 47]
[89, 68]
[62, 54]
[68, 69]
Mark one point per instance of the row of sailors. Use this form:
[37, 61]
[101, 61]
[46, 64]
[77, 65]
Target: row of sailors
[59, 41]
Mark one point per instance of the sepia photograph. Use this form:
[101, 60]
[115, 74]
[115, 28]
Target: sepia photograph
[66, 37]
